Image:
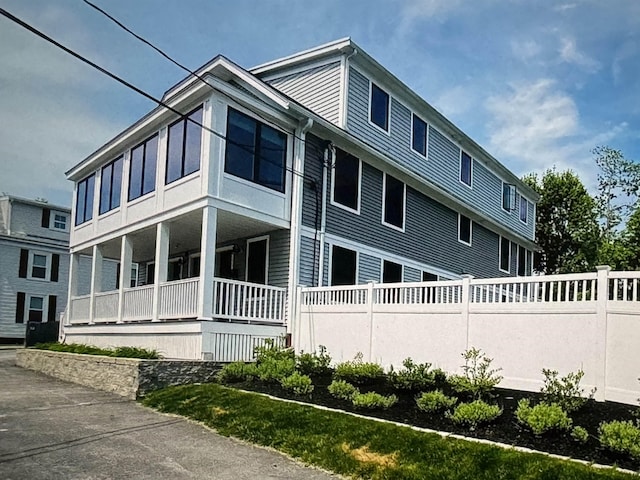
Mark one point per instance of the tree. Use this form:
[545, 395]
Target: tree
[631, 240]
[567, 228]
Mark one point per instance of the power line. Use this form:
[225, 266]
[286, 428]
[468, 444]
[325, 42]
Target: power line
[124, 82]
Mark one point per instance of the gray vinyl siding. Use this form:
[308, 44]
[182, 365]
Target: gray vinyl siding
[26, 219]
[411, 275]
[312, 197]
[368, 268]
[308, 268]
[316, 88]
[279, 258]
[443, 162]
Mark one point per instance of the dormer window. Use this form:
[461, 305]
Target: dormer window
[379, 107]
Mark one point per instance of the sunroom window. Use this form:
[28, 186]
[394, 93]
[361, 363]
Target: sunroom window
[142, 172]
[183, 148]
[84, 199]
[110, 186]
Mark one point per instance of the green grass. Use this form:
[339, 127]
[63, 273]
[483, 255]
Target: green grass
[124, 352]
[358, 447]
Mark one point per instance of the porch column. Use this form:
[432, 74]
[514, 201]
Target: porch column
[96, 279]
[126, 253]
[161, 265]
[74, 268]
[207, 262]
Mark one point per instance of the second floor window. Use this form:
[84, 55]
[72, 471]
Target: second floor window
[59, 221]
[394, 202]
[379, 107]
[524, 209]
[110, 186]
[255, 151]
[142, 172]
[419, 135]
[466, 168]
[84, 199]
[464, 229]
[346, 181]
[508, 196]
[183, 148]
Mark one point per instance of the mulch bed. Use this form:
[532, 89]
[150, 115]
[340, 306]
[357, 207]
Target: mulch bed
[505, 429]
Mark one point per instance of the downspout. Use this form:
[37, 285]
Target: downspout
[296, 218]
[329, 160]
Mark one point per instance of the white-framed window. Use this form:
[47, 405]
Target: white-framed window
[465, 229]
[429, 276]
[84, 199]
[194, 265]
[379, 107]
[36, 308]
[508, 197]
[174, 269]
[39, 266]
[344, 266]
[142, 168]
[184, 139]
[394, 202]
[419, 135]
[466, 169]
[134, 275]
[505, 255]
[346, 181]
[521, 268]
[391, 272]
[150, 273]
[111, 185]
[524, 210]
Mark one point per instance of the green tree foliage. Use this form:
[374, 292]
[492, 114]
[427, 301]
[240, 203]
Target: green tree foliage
[631, 240]
[567, 228]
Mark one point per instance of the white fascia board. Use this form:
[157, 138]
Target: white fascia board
[304, 56]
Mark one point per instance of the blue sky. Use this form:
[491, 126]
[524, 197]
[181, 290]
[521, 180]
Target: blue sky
[537, 84]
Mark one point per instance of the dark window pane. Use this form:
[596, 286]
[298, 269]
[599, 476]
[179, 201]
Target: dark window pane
[465, 168]
[116, 184]
[524, 207]
[419, 136]
[174, 270]
[391, 272]
[394, 202]
[135, 172]
[272, 158]
[465, 229]
[429, 277]
[35, 315]
[80, 202]
[241, 137]
[506, 196]
[150, 162]
[504, 254]
[522, 261]
[257, 261]
[105, 188]
[343, 266]
[88, 209]
[192, 149]
[174, 152]
[346, 176]
[151, 270]
[379, 107]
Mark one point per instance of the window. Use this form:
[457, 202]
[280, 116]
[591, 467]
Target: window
[174, 269]
[257, 260]
[343, 266]
[255, 151]
[393, 208]
[524, 209]
[110, 186]
[150, 273]
[466, 168]
[391, 272]
[54, 220]
[505, 254]
[142, 170]
[429, 277]
[84, 200]
[59, 221]
[35, 311]
[464, 229]
[522, 261]
[194, 265]
[346, 181]
[379, 107]
[183, 146]
[508, 196]
[134, 275]
[39, 266]
[419, 135]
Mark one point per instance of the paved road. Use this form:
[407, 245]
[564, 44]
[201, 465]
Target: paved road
[51, 429]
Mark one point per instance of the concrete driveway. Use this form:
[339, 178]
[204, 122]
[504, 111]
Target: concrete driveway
[51, 429]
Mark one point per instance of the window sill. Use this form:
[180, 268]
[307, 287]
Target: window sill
[379, 128]
[468, 244]
[255, 185]
[394, 227]
[180, 181]
[109, 213]
[344, 207]
[141, 199]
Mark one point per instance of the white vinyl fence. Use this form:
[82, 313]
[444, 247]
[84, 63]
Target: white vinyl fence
[563, 322]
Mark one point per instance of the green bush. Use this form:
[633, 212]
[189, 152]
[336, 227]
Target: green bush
[314, 363]
[342, 390]
[125, 352]
[359, 372]
[297, 383]
[474, 413]
[271, 350]
[580, 434]
[435, 401]
[413, 377]
[564, 391]
[273, 370]
[237, 372]
[479, 378]
[542, 417]
[372, 400]
[135, 352]
[620, 437]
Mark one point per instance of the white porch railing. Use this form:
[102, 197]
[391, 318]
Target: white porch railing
[179, 299]
[106, 307]
[79, 309]
[250, 302]
[138, 303]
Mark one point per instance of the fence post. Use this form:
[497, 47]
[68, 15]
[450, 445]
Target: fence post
[370, 316]
[465, 300]
[296, 321]
[601, 330]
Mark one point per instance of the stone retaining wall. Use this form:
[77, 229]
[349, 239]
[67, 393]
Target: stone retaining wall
[128, 377]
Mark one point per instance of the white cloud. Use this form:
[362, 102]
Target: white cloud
[525, 50]
[455, 101]
[628, 50]
[429, 8]
[565, 6]
[569, 53]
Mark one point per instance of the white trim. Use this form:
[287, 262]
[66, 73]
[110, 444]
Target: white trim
[512, 191]
[266, 258]
[470, 230]
[320, 50]
[330, 266]
[386, 132]
[508, 270]
[343, 92]
[136, 266]
[404, 203]
[470, 184]
[27, 307]
[146, 272]
[382, 260]
[333, 176]
[426, 136]
[52, 220]
[47, 267]
[299, 69]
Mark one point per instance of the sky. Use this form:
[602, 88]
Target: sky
[537, 83]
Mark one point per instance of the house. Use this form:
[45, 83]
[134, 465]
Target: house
[321, 168]
[34, 245]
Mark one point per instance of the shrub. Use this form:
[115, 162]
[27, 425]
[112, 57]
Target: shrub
[474, 413]
[564, 391]
[620, 437]
[359, 372]
[297, 383]
[312, 363]
[371, 400]
[272, 350]
[542, 417]
[580, 434]
[342, 390]
[135, 352]
[478, 378]
[125, 352]
[435, 401]
[413, 377]
[237, 372]
[273, 370]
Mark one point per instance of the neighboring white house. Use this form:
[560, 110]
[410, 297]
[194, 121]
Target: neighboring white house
[317, 169]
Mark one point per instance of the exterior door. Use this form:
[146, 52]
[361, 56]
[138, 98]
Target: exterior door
[257, 260]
